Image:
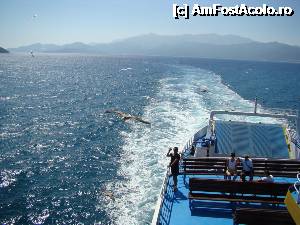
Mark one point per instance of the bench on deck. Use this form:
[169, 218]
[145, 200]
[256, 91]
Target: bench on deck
[237, 191]
[216, 166]
[259, 216]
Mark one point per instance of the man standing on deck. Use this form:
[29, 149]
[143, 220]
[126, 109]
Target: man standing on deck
[174, 164]
[247, 168]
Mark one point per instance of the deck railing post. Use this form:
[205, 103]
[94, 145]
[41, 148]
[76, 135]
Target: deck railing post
[255, 106]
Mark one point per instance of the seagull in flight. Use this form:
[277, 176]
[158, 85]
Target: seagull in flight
[125, 69]
[126, 116]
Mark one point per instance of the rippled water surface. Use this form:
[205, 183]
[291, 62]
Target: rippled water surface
[64, 161]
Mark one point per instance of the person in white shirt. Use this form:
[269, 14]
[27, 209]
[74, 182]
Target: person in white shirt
[231, 167]
[247, 168]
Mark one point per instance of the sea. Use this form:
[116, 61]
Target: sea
[63, 160]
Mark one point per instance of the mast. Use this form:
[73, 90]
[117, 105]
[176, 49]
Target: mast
[255, 106]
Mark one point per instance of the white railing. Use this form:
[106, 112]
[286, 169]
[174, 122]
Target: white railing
[188, 145]
[296, 143]
[196, 136]
[297, 183]
[165, 184]
[296, 148]
[161, 199]
[269, 115]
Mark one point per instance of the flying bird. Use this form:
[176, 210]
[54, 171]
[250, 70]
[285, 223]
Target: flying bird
[126, 116]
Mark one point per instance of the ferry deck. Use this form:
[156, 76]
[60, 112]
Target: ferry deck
[263, 142]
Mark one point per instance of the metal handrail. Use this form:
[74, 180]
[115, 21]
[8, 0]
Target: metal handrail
[166, 179]
[296, 142]
[188, 145]
[269, 115]
[190, 142]
[297, 189]
[161, 196]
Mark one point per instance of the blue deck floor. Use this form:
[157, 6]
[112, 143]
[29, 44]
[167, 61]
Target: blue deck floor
[176, 210]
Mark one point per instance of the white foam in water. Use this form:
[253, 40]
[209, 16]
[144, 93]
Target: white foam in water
[176, 113]
[8, 177]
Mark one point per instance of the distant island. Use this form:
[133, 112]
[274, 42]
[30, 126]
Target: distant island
[189, 45]
[3, 50]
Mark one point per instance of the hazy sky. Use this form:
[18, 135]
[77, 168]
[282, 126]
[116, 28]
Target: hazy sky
[66, 21]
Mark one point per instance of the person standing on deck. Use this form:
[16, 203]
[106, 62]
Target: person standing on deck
[231, 167]
[247, 168]
[174, 164]
[192, 153]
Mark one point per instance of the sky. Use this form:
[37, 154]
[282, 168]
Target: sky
[24, 22]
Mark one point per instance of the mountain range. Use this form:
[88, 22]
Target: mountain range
[202, 45]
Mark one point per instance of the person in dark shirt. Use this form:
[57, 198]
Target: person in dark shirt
[192, 153]
[174, 164]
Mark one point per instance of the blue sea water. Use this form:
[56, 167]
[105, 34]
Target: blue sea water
[64, 161]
